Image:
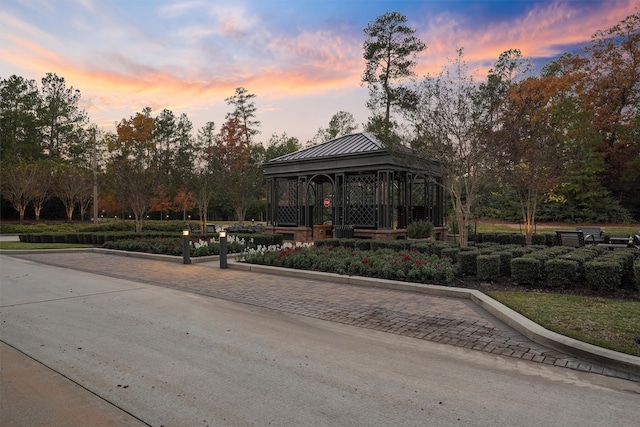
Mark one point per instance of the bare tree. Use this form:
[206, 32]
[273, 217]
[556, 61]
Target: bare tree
[17, 185]
[447, 119]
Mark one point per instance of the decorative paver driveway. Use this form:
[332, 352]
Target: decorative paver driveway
[453, 321]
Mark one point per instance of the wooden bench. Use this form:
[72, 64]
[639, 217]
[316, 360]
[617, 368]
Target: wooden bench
[574, 239]
[592, 235]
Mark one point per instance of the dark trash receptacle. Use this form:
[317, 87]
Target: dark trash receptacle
[343, 231]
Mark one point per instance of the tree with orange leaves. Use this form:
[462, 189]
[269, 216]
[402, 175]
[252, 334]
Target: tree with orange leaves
[606, 76]
[184, 201]
[233, 167]
[132, 171]
[530, 151]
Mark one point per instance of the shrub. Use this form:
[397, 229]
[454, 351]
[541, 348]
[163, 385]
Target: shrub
[505, 262]
[468, 262]
[437, 247]
[518, 252]
[488, 267]
[518, 239]
[561, 272]
[59, 238]
[504, 239]
[348, 243]
[636, 273]
[422, 247]
[490, 237]
[603, 274]
[538, 239]
[363, 244]
[450, 252]
[262, 239]
[525, 270]
[580, 256]
[46, 238]
[419, 230]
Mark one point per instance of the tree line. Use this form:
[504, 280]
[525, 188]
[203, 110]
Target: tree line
[560, 144]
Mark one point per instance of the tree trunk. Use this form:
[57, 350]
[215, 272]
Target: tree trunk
[528, 204]
[138, 222]
[241, 213]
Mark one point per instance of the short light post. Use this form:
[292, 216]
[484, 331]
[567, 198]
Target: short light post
[223, 249]
[186, 247]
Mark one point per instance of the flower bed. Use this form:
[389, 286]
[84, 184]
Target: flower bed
[437, 262]
[410, 265]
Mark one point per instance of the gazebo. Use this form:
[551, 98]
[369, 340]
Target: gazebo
[351, 186]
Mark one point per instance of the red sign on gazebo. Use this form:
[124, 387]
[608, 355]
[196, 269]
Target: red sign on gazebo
[327, 202]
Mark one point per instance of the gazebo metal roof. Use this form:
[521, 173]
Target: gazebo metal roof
[349, 153]
[344, 145]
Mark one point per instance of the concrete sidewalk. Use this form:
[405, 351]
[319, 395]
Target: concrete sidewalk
[453, 316]
[31, 394]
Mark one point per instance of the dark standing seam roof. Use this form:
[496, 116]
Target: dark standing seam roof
[348, 144]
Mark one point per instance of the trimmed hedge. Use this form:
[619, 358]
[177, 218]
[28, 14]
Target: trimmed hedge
[468, 262]
[525, 270]
[603, 274]
[561, 272]
[450, 252]
[488, 267]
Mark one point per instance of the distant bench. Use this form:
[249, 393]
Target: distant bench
[574, 239]
[592, 235]
[577, 239]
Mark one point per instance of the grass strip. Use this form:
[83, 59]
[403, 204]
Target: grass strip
[608, 323]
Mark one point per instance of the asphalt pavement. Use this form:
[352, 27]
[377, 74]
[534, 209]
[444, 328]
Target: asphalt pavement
[426, 314]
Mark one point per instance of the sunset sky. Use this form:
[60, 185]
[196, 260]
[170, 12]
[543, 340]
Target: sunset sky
[302, 58]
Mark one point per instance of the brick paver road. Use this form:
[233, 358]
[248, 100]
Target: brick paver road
[452, 321]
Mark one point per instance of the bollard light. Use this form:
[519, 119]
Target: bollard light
[223, 249]
[186, 249]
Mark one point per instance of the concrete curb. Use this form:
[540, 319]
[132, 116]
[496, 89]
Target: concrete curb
[533, 331]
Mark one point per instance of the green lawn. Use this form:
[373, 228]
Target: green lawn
[608, 323]
[612, 229]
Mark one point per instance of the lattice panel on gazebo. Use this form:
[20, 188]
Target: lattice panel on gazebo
[419, 192]
[361, 200]
[287, 202]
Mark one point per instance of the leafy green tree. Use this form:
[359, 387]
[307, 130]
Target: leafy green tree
[390, 52]
[244, 112]
[61, 119]
[341, 123]
[281, 145]
[19, 128]
[203, 183]
[185, 152]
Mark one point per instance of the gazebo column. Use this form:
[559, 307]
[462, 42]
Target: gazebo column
[385, 200]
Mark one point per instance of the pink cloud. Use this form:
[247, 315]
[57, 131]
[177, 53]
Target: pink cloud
[540, 33]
